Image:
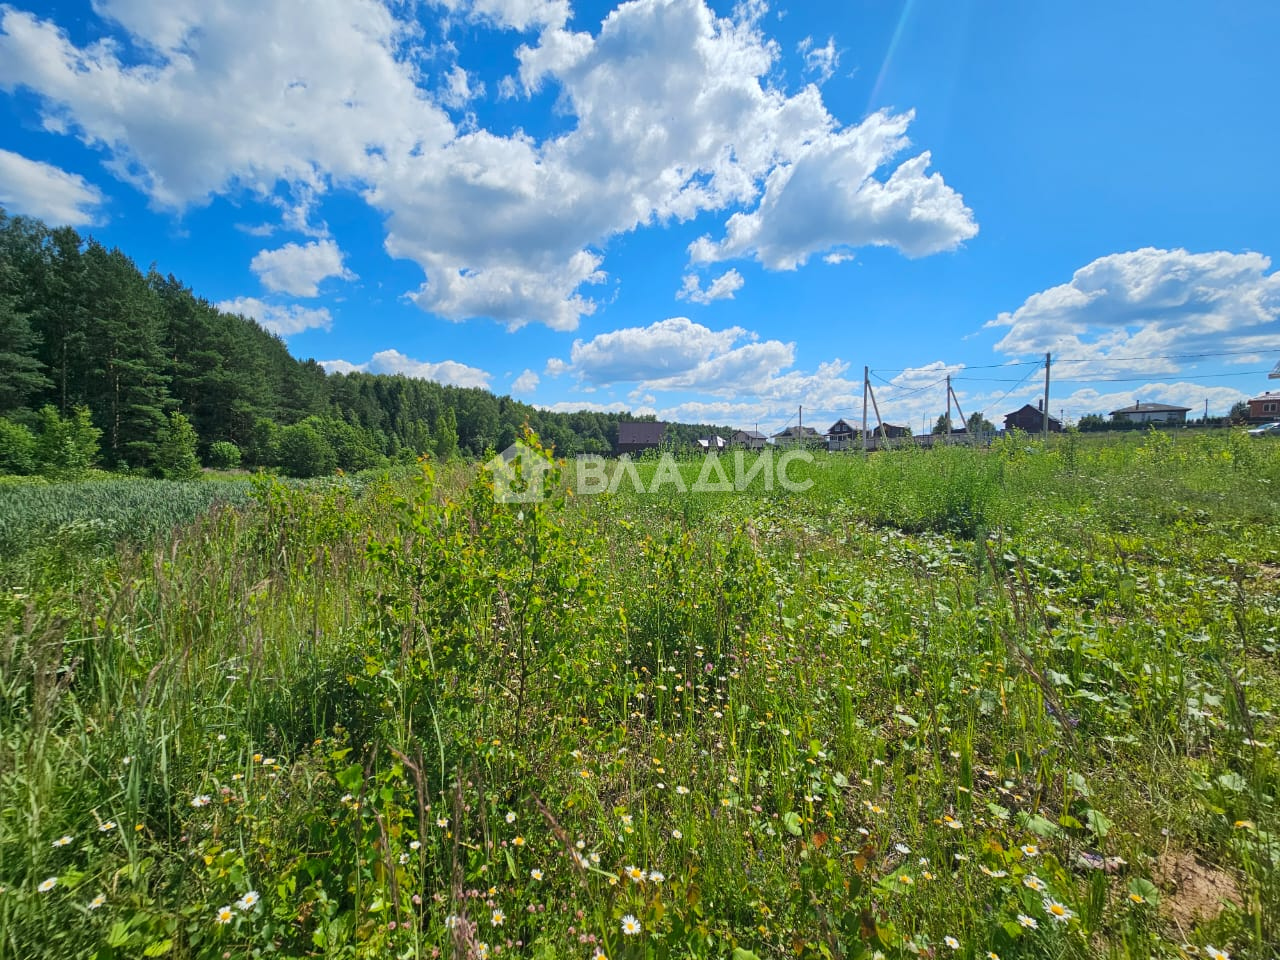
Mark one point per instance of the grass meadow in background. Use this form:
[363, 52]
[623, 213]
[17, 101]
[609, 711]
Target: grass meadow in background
[1017, 702]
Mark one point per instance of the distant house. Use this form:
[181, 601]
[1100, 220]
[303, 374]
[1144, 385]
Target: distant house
[797, 437]
[892, 431]
[842, 435]
[751, 439]
[1151, 413]
[713, 442]
[637, 435]
[1030, 419]
[1265, 406]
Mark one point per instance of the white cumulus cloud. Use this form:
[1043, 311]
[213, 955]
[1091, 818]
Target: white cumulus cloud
[1150, 303]
[722, 287]
[527, 382]
[282, 319]
[393, 362]
[298, 270]
[42, 190]
[675, 113]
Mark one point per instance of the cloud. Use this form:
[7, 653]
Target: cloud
[674, 114]
[298, 270]
[459, 90]
[282, 319]
[527, 382]
[827, 199]
[821, 61]
[1150, 303]
[395, 362]
[518, 15]
[722, 287]
[42, 190]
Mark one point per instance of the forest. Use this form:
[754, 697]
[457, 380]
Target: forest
[96, 357]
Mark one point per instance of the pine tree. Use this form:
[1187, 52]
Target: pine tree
[176, 449]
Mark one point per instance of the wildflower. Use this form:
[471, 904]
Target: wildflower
[992, 955]
[511, 816]
[47, 885]
[482, 951]
[951, 942]
[656, 876]
[1030, 849]
[953, 823]
[225, 915]
[200, 801]
[222, 737]
[518, 841]
[1213, 953]
[677, 834]
[404, 858]
[497, 918]
[1137, 898]
[1032, 882]
[62, 841]
[97, 901]
[442, 822]
[585, 774]
[902, 848]
[257, 758]
[415, 844]
[248, 900]
[1028, 922]
[106, 827]
[905, 880]
[682, 790]
[635, 873]
[126, 760]
[535, 873]
[451, 921]
[270, 762]
[1057, 911]
[630, 925]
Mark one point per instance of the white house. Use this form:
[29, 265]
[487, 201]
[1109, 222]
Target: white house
[1151, 413]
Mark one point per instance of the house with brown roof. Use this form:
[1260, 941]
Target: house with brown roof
[635, 436]
[1030, 419]
[1265, 406]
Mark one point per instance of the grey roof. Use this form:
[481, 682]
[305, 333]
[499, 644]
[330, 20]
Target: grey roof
[1146, 407]
[834, 428]
[797, 432]
[641, 431]
[751, 434]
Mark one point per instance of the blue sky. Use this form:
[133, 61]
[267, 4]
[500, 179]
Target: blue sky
[708, 211]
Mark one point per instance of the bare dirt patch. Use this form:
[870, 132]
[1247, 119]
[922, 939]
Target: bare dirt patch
[1193, 891]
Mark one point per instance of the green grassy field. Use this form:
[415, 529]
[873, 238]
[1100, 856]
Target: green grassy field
[1014, 703]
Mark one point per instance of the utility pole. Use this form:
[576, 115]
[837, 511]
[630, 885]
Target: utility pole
[947, 422]
[1044, 410]
[866, 385]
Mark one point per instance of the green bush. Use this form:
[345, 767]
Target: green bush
[176, 450]
[67, 447]
[17, 448]
[304, 452]
[223, 455]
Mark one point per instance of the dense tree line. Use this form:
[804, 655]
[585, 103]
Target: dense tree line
[92, 348]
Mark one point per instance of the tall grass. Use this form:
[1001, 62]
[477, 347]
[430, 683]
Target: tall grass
[943, 694]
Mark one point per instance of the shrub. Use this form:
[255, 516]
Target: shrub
[304, 452]
[176, 452]
[17, 448]
[223, 455]
[67, 446]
